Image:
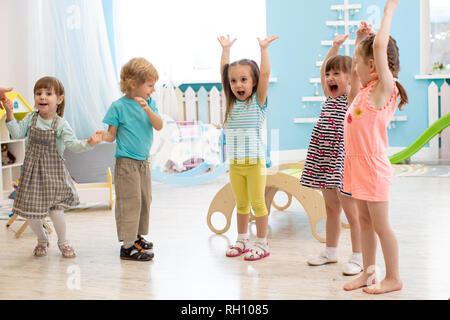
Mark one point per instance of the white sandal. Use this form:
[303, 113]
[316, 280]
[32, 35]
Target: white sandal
[353, 266]
[239, 248]
[41, 249]
[66, 250]
[257, 252]
[321, 259]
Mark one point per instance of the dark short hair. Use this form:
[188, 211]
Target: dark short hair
[340, 63]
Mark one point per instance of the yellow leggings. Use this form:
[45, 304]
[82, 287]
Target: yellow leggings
[248, 181]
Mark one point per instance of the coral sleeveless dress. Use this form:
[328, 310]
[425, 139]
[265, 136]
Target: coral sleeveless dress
[367, 169]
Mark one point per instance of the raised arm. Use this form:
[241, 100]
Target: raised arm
[226, 44]
[363, 31]
[380, 49]
[334, 50]
[264, 72]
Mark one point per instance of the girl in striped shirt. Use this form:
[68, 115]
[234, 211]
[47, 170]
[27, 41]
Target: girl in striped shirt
[324, 165]
[245, 87]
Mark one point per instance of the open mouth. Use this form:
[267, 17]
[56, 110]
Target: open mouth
[241, 93]
[333, 88]
[43, 104]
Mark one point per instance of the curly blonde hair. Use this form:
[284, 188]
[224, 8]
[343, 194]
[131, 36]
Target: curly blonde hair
[136, 71]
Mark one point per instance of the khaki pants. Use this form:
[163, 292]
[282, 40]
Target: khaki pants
[133, 185]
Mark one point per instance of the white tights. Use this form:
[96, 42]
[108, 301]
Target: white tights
[59, 223]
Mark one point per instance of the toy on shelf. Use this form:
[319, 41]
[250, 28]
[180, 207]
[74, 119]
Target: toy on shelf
[15, 185]
[7, 156]
[13, 150]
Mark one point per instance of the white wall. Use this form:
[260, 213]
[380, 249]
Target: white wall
[14, 37]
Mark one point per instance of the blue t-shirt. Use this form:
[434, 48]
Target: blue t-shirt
[134, 136]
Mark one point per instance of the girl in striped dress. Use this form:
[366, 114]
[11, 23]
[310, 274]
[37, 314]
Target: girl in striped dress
[324, 165]
[245, 87]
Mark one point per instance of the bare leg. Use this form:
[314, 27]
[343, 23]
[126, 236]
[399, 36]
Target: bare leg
[389, 245]
[351, 212]
[242, 222]
[333, 209]
[261, 226]
[368, 246]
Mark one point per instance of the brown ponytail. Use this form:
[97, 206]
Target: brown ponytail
[366, 46]
[403, 95]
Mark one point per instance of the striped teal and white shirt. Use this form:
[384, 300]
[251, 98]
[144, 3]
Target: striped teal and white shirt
[243, 130]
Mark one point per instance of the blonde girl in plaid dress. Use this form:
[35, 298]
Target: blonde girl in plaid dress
[45, 187]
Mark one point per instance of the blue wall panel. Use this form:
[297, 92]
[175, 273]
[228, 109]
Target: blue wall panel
[301, 27]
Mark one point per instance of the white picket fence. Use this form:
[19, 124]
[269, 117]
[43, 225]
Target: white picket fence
[438, 106]
[204, 106]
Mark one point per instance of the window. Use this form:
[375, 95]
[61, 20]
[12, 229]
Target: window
[179, 37]
[435, 34]
[440, 32]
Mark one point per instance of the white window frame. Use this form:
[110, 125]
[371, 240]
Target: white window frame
[425, 47]
[426, 69]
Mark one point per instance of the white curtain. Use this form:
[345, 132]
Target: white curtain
[69, 41]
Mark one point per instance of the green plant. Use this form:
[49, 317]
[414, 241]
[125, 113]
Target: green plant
[438, 66]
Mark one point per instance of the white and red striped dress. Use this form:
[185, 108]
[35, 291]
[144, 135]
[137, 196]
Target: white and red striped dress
[324, 166]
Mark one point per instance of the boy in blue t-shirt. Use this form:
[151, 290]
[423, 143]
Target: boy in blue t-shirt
[131, 121]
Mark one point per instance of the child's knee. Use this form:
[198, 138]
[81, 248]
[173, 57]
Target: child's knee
[365, 222]
[259, 208]
[243, 208]
[352, 217]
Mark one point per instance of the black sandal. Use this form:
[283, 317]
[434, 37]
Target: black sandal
[138, 255]
[146, 245]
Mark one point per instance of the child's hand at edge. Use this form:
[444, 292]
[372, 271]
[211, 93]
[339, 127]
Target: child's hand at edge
[96, 138]
[225, 42]
[265, 42]
[3, 91]
[7, 105]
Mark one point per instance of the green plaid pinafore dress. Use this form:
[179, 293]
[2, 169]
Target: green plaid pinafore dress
[45, 183]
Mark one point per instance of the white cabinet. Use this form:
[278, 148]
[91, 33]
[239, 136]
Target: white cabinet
[11, 172]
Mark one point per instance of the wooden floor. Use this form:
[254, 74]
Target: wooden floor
[190, 260]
